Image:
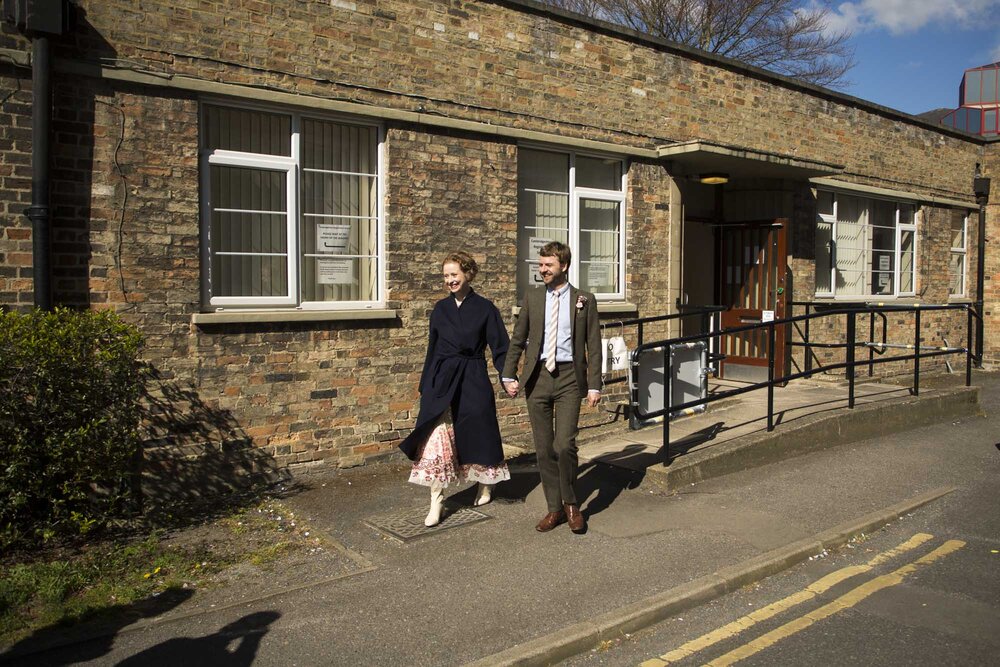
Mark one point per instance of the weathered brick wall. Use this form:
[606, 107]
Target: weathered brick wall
[991, 269]
[495, 62]
[15, 187]
[125, 189]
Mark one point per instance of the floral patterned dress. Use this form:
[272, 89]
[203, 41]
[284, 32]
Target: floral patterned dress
[438, 461]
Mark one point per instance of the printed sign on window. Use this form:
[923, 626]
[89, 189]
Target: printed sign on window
[332, 238]
[535, 244]
[883, 263]
[334, 271]
[599, 275]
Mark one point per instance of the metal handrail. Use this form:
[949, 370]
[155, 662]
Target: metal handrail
[919, 352]
[639, 322]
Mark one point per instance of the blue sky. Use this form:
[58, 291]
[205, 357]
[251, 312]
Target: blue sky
[911, 54]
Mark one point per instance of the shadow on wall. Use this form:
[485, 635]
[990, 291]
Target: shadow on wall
[194, 453]
[77, 159]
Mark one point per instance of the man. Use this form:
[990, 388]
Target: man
[558, 332]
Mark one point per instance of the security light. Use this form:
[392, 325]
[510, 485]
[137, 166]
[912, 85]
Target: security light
[713, 178]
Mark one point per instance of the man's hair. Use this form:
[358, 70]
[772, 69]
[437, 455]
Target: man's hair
[464, 261]
[558, 250]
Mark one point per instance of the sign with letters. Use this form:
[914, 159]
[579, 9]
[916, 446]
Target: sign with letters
[535, 244]
[330, 271]
[598, 275]
[332, 238]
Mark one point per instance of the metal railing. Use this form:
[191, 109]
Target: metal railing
[850, 314]
[706, 313]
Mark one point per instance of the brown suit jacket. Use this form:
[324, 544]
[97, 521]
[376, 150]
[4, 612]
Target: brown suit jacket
[529, 332]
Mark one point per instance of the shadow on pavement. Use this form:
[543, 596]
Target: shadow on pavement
[62, 644]
[637, 457]
[244, 635]
[605, 483]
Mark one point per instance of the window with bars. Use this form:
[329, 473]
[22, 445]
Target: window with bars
[291, 210]
[957, 264]
[865, 247]
[578, 200]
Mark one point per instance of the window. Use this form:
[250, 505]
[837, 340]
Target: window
[973, 83]
[864, 247]
[291, 210]
[578, 200]
[957, 264]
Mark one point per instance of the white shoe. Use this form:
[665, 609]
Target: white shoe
[437, 503]
[484, 495]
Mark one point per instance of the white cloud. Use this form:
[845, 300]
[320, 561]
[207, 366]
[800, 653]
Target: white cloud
[899, 16]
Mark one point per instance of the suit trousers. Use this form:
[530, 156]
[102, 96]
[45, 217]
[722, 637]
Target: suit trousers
[554, 410]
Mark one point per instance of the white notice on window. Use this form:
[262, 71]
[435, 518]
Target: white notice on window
[767, 316]
[599, 275]
[332, 238]
[883, 262]
[535, 244]
[334, 271]
[884, 279]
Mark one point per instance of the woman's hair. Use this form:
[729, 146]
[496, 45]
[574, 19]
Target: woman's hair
[558, 250]
[464, 261]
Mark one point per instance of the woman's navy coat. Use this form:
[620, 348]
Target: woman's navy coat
[455, 376]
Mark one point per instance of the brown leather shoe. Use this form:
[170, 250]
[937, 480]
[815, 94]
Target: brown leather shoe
[575, 518]
[550, 521]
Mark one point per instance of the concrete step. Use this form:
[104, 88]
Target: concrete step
[733, 438]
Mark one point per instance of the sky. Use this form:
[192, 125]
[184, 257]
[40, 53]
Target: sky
[910, 54]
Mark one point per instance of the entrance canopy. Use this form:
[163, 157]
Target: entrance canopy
[699, 158]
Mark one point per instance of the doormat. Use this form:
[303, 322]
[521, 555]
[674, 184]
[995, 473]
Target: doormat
[408, 525]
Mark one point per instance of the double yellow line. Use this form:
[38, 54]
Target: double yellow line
[822, 585]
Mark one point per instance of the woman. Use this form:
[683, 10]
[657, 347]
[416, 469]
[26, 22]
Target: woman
[457, 438]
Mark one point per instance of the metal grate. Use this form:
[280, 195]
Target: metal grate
[408, 525]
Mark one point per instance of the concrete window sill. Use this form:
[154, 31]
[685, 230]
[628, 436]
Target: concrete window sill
[264, 316]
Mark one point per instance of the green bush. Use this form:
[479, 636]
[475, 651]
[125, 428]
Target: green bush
[70, 388]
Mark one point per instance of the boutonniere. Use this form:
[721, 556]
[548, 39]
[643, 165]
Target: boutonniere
[581, 301]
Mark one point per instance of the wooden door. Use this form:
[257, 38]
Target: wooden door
[752, 264]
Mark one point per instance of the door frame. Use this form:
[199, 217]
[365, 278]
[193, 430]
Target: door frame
[762, 283]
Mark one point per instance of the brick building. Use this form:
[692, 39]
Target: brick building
[265, 188]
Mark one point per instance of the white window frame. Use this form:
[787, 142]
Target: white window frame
[964, 253]
[900, 228]
[292, 166]
[575, 194]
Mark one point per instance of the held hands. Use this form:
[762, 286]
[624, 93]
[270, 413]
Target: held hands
[511, 387]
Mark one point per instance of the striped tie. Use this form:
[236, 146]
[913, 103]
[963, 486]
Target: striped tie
[552, 333]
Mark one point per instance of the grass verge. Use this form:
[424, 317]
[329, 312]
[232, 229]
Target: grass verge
[104, 579]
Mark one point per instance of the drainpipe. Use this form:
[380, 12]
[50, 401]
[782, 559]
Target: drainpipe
[38, 20]
[39, 212]
[981, 188]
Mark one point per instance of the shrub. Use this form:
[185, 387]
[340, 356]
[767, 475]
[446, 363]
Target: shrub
[70, 387]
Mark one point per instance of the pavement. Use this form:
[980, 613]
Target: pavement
[725, 504]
